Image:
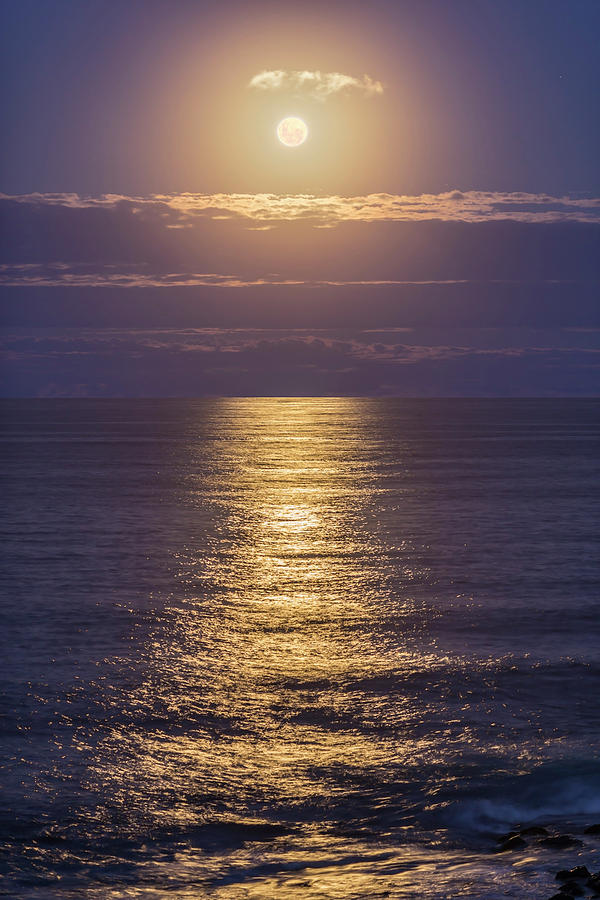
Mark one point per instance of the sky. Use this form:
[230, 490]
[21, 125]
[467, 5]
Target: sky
[437, 234]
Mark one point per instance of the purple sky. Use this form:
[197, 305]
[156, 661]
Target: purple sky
[437, 235]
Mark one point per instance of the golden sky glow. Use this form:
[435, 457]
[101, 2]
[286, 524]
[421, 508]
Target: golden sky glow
[332, 83]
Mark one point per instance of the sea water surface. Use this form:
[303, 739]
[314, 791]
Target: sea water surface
[297, 648]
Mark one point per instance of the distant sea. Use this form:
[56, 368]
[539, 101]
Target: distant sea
[305, 648]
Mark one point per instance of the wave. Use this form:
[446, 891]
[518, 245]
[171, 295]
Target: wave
[568, 791]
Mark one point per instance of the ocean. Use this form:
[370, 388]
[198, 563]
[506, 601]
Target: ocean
[298, 648]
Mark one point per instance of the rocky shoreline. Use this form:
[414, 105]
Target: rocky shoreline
[575, 882]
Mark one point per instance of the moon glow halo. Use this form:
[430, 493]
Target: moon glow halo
[292, 131]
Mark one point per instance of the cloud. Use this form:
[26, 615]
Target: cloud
[66, 275]
[193, 362]
[270, 209]
[50, 241]
[61, 274]
[318, 85]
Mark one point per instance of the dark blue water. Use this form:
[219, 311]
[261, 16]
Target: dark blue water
[297, 648]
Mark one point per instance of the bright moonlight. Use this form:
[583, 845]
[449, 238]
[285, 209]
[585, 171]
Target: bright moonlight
[292, 131]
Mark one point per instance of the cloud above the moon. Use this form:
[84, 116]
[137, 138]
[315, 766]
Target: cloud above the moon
[319, 85]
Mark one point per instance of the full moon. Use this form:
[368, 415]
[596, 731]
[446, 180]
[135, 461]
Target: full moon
[292, 131]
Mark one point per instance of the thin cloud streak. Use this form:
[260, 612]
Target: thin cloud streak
[271, 209]
[318, 85]
[62, 274]
[358, 346]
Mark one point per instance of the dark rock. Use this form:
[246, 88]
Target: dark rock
[559, 841]
[533, 830]
[51, 834]
[513, 843]
[576, 872]
[592, 829]
[573, 888]
[593, 882]
[507, 836]
[562, 896]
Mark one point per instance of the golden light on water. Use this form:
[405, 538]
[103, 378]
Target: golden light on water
[292, 131]
[270, 658]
